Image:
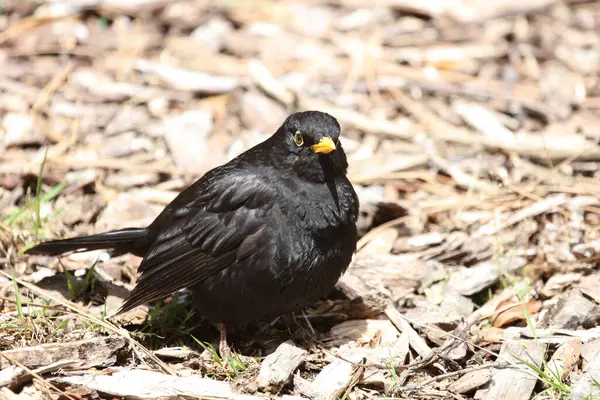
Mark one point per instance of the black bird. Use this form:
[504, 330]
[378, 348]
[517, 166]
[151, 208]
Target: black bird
[265, 234]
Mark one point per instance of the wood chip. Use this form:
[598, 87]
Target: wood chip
[363, 331]
[182, 79]
[483, 120]
[471, 380]
[333, 380]
[586, 387]
[468, 281]
[20, 129]
[570, 312]
[99, 352]
[175, 353]
[14, 376]
[377, 275]
[551, 203]
[141, 384]
[512, 383]
[186, 136]
[564, 359]
[415, 340]
[278, 367]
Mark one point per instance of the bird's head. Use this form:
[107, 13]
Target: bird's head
[311, 142]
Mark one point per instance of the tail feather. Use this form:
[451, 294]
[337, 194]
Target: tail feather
[123, 240]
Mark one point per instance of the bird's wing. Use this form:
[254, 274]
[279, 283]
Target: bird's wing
[224, 223]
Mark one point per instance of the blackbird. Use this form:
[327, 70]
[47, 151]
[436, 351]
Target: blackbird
[265, 234]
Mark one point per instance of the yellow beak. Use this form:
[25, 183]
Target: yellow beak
[325, 146]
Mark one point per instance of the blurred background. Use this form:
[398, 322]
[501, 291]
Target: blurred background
[134, 100]
[472, 129]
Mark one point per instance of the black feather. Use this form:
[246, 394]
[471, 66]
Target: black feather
[124, 241]
[264, 234]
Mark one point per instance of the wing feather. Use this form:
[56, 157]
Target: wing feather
[225, 224]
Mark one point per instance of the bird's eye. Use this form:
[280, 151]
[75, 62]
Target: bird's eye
[298, 139]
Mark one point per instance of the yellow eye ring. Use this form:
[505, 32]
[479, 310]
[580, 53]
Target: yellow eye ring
[298, 139]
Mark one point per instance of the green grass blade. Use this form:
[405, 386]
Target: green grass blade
[208, 347]
[38, 197]
[55, 191]
[15, 216]
[60, 326]
[72, 285]
[548, 380]
[18, 298]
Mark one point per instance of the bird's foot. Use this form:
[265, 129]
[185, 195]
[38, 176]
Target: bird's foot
[224, 349]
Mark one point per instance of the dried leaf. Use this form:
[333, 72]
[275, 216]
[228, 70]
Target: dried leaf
[565, 358]
[491, 334]
[515, 311]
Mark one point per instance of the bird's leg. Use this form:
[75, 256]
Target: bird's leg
[224, 349]
[290, 320]
[296, 329]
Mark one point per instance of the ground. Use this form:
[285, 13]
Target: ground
[472, 129]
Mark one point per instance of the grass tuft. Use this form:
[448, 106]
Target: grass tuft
[29, 217]
[168, 323]
[229, 369]
[556, 388]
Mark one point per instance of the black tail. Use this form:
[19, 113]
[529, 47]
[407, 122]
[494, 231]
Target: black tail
[123, 241]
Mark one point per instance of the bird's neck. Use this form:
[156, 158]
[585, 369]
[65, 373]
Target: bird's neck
[325, 170]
